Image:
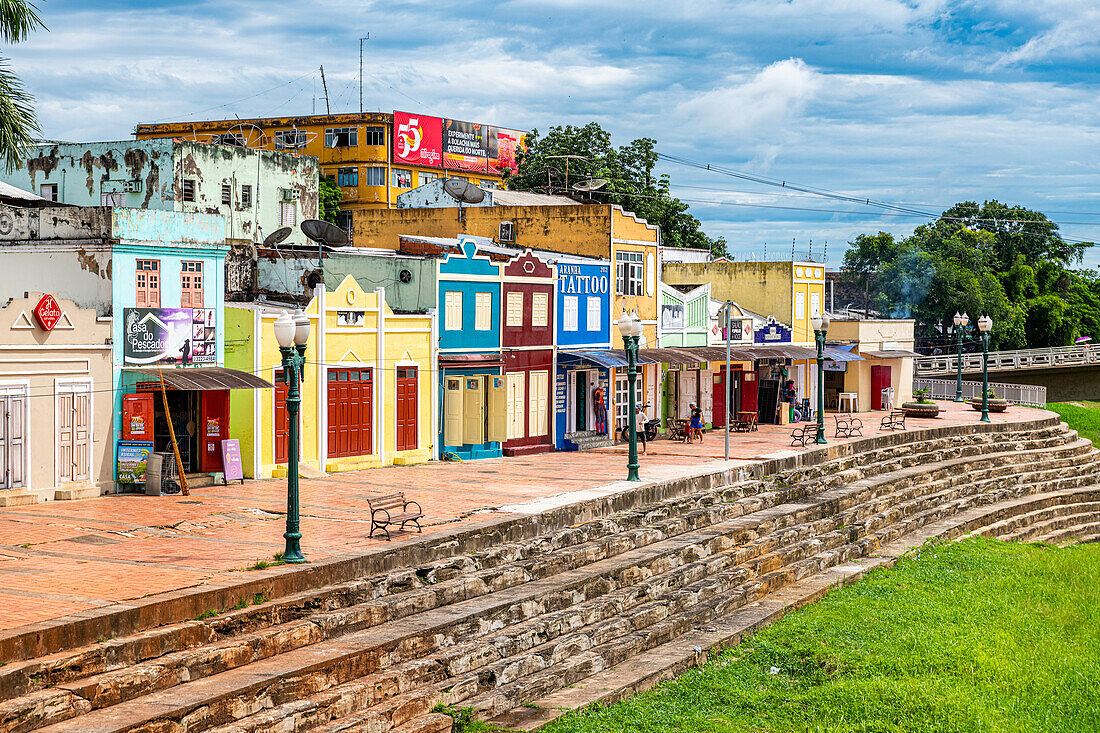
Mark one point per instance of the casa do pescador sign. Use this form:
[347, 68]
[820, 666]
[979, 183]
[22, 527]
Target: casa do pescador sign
[169, 336]
[47, 312]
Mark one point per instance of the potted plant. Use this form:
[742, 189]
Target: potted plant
[923, 407]
[993, 402]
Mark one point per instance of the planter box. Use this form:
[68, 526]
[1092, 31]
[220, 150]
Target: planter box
[917, 409]
[994, 405]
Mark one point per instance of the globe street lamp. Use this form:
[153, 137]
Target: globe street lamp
[961, 322]
[820, 322]
[985, 325]
[630, 326]
[292, 333]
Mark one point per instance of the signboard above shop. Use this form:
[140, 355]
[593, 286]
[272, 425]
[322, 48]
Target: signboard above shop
[465, 146]
[169, 336]
[773, 333]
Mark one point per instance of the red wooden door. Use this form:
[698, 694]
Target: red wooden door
[350, 404]
[746, 383]
[406, 408]
[880, 380]
[137, 416]
[282, 421]
[213, 427]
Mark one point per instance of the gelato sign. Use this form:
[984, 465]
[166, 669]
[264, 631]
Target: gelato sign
[169, 336]
[47, 312]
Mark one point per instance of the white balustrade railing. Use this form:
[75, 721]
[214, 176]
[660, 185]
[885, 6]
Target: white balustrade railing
[1017, 394]
[1059, 356]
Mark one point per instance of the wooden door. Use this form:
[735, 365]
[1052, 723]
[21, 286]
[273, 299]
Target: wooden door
[213, 428]
[538, 399]
[13, 436]
[497, 428]
[580, 401]
[687, 392]
[746, 387]
[282, 418]
[406, 408]
[473, 410]
[880, 380]
[706, 395]
[73, 435]
[517, 412]
[453, 411]
[350, 412]
[137, 416]
[719, 397]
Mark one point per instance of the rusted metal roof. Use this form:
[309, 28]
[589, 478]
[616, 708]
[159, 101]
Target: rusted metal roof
[891, 354]
[197, 378]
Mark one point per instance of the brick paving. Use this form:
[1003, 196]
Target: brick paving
[64, 557]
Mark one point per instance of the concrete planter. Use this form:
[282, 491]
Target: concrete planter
[994, 405]
[920, 409]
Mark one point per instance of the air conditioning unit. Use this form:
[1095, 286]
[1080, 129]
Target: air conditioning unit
[507, 232]
[133, 186]
[288, 194]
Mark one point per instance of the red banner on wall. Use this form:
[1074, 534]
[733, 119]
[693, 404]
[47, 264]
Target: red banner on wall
[417, 139]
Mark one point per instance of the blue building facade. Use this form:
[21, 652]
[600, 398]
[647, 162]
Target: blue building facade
[583, 373]
[472, 390]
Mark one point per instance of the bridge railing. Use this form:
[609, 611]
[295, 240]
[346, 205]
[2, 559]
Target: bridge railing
[1059, 356]
[1017, 394]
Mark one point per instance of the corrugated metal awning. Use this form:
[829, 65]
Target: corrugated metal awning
[684, 354]
[196, 378]
[470, 360]
[891, 354]
[834, 353]
[612, 358]
[743, 353]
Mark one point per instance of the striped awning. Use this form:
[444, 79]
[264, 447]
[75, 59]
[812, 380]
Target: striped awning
[198, 378]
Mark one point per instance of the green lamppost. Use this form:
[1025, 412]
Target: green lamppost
[961, 322]
[292, 333]
[985, 325]
[630, 326]
[820, 322]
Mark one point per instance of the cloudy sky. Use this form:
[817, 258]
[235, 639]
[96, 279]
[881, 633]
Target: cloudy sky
[920, 103]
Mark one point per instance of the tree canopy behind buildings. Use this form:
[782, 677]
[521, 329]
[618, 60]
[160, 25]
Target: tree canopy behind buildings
[18, 121]
[628, 170]
[1007, 262]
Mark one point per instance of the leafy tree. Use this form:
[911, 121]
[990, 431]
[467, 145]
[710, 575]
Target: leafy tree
[329, 201]
[629, 171]
[18, 122]
[1003, 261]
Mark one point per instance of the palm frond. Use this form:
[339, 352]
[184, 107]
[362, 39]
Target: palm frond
[19, 128]
[18, 18]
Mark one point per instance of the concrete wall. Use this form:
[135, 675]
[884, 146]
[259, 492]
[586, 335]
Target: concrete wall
[87, 172]
[43, 362]
[83, 274]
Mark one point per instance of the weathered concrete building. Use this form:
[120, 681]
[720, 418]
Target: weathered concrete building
[255, 191]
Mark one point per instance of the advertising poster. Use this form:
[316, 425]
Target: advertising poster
[503, 146]
[133, 457]
[169, 336]
[231, 461]
[465, 146]
[417, 139]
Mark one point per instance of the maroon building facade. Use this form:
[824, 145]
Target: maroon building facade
[527, 340]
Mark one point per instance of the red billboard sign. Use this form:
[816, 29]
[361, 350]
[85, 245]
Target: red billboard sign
[453, 144]
[417, 139]
[47, 312]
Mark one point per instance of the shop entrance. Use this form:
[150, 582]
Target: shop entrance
[200, 419]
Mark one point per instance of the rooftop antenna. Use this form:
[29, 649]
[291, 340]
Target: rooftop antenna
[567, 159]
[591, 185]
[463, 191]
[323, 233]
[324, 86]
[364, 38]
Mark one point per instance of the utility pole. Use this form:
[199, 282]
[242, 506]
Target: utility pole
[325, 87]
[364, 38]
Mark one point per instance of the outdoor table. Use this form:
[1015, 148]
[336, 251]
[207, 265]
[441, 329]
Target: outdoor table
[745, 422]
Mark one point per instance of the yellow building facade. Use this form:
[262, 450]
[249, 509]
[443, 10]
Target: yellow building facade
[367, 390]
[355, 149]
[887, 350]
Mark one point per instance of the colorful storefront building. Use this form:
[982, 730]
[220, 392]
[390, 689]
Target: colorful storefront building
[527, 339]
[367, 389]
[473, 388]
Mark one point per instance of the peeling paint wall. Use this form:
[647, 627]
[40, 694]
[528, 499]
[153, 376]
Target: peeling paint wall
[149, 174]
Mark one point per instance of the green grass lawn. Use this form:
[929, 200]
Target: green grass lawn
[973, 636]
[1084, 417]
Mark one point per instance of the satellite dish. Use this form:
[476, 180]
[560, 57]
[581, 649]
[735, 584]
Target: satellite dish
[462, 190]
[324, 232]
[277, 236]
[406, 276]
[594, 184]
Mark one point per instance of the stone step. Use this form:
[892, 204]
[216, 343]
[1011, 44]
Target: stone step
[1006, 529]
[1072, 515]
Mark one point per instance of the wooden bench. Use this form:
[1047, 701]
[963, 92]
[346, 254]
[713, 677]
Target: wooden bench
[676, 427]
[895, 420]
[392, 509]
[803, 435]
[848, 426]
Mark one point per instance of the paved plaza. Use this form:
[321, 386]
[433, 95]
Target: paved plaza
[62, 558]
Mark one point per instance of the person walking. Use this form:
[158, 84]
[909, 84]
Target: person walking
[640, 419]
[695, 428]
[600, 407]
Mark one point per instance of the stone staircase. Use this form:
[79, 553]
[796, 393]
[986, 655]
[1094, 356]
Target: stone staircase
[590, 612]
[587, 440]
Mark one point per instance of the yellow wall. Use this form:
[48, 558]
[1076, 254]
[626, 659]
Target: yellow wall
[406, 340]
[767, 288]
[631, 234]
[331, 159]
